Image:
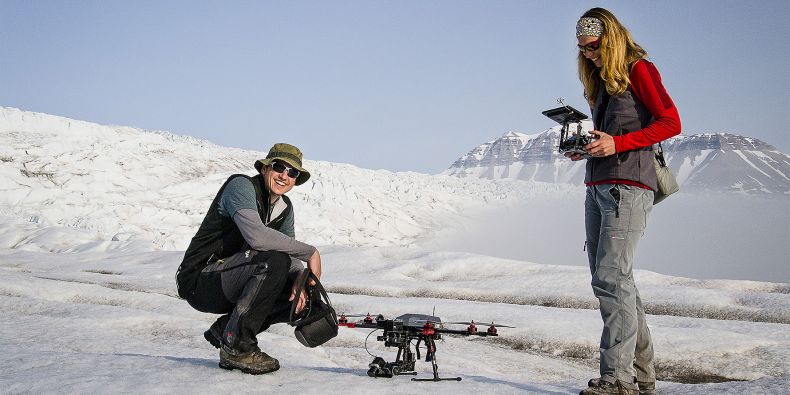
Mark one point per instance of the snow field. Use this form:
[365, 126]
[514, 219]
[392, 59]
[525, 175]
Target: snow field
[94, 220]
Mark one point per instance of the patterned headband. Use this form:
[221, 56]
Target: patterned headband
[589, 26]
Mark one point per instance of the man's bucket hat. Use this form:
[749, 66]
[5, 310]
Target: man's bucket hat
[285, 153]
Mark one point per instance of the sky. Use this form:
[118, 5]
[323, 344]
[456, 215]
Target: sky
[396, 85]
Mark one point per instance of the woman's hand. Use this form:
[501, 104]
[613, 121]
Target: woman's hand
[602, 146]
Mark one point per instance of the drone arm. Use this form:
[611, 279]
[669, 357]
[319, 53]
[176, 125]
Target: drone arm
[360, 324]
[462, 332]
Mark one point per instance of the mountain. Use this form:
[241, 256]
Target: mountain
[111, 180]
[116, 185]
[723, 161]
[701, 162]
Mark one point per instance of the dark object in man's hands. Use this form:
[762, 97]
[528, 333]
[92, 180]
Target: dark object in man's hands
[317, 322]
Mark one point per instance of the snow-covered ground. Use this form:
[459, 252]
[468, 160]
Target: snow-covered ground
[94, 220]
[105, 318]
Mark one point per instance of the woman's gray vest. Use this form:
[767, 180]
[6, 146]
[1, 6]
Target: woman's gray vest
[619, 115]
[218, 237]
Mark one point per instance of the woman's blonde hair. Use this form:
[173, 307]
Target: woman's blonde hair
[618, 53]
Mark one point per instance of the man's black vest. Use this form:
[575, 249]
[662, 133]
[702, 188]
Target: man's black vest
[218, 237]
[619, 115]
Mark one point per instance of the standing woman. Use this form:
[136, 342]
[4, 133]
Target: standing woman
[631, 111]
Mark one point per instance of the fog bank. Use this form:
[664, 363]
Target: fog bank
[699, 236]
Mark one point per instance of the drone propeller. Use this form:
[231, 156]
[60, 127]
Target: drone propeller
[354, 315]
[499, 325]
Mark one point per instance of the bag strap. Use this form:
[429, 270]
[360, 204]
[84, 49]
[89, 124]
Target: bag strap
[660, 156]
[310, 292]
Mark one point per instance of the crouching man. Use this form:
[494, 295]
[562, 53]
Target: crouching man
[244, 259]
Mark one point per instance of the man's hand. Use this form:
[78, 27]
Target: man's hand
[574, 156]
[314, 263]
[603, 146]
[302, 298]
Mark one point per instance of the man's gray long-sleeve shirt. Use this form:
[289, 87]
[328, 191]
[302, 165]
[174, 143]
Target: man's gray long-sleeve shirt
[238, 202]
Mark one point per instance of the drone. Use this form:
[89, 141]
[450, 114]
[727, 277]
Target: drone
[401, 331]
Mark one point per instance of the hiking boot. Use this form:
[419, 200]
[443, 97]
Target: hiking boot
[214, 335]
[647, 387]
[251, 362]
[601, 387]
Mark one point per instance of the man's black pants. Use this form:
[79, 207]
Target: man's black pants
[250, 289]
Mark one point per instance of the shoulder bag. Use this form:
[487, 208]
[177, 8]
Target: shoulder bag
[667, 184]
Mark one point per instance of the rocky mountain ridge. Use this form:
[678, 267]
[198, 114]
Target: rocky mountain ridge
[701, 162]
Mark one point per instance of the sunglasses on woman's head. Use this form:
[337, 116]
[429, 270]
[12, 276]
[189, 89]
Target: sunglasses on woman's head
[279, 167]
[591, 46]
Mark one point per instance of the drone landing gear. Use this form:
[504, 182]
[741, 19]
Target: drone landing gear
[436, 375]
[431, 355]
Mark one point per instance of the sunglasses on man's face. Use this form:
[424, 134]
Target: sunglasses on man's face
[591, 46]
[279, 167]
